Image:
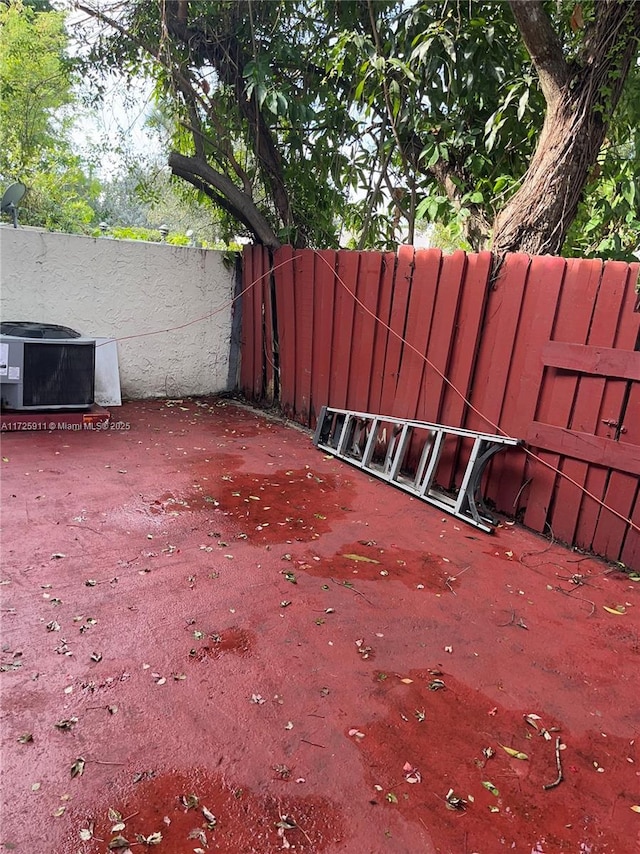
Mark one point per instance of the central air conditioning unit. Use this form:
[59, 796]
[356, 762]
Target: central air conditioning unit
[45, 367]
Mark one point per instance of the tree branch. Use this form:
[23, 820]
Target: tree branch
[239, 203]
[227, 57]
[544, 46]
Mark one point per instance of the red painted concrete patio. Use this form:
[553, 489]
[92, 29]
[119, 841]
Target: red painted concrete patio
[215, 638]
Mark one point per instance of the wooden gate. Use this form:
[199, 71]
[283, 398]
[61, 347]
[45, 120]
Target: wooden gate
[587, 420]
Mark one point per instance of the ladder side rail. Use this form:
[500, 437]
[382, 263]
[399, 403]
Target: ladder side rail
[474, 501]
[458, 431]
[463, 499]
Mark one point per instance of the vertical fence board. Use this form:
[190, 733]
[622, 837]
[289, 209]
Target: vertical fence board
[364, 330]
[558, 389]
[258, 323]
[489, 381]
[323, 329]
[303, 269]
[622, 488]
[346, 277]
[399, 301]
[422, 297]
[498, 333]
[441, 339]
[525, 371]
[466, 342]
[385, 293]
[269, 355]
[285, 296]
[247, 338]
[467, 339]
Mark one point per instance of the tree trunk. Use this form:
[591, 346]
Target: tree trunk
[580, 101]
[538, 216]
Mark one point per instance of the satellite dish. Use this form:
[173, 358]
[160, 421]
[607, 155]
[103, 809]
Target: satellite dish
[10, 200]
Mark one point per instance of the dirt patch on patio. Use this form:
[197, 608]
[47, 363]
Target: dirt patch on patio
[200, 810]
[213, 645]
[288, 504]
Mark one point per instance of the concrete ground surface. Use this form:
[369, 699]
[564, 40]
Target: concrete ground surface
[217, 638]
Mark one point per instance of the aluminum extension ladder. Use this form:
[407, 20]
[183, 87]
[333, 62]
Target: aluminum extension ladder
[407, 454]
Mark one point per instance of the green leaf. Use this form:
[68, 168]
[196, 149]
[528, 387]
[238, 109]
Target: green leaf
[488, 785]
[517, 754]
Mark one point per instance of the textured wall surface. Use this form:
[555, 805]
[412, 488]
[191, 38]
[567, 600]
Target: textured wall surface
[127, 290]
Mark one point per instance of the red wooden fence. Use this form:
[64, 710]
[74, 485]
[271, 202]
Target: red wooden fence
[547, 352]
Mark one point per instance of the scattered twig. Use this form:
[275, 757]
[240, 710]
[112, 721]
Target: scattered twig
[85, 528]
[541, 552]
[304, 833]
[353, 589]
[312, 743]
[314, 715]
[101, 762]
[520, 491]
[558, 779]
[581, 598]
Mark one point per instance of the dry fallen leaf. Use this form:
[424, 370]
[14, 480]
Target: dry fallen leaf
[361, 558]
[210, 817]
[412, 775]
[618, 610]
[151, 839]
[453, 802]
[77, 769]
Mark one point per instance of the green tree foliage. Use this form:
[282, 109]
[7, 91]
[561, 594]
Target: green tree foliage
[319, 122]
[36, 97]
[136, 202]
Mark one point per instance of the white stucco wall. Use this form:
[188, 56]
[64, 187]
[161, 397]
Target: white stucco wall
[126, 290]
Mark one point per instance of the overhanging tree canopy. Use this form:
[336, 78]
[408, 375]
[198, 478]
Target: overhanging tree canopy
[303, 120]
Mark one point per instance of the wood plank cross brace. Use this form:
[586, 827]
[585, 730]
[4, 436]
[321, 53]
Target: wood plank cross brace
[407, 453]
